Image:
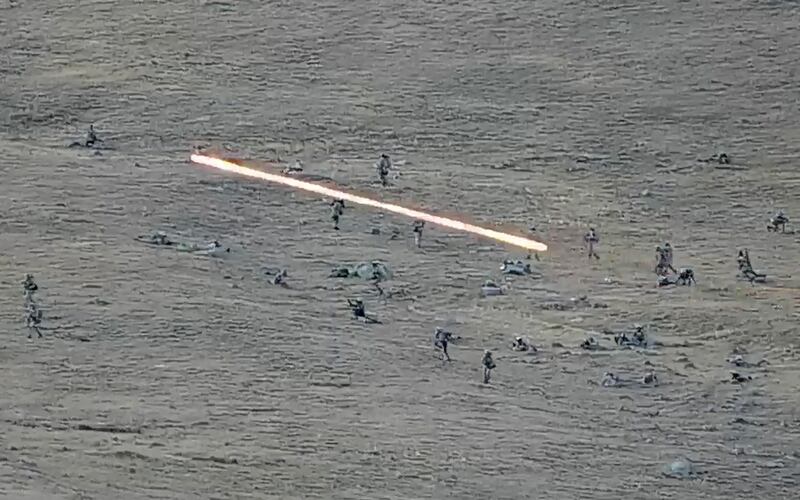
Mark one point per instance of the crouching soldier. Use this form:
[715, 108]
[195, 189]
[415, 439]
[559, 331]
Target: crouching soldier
[778, 221]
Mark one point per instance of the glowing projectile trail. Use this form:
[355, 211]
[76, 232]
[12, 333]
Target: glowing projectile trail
[360, 200]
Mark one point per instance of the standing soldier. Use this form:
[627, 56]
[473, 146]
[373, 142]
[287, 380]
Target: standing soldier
[488, 365]
[591, 239]
[33, 317]
[668, 257]
[419, 225]
[29, 287]
[383, 166]
[661, 261]
[337, 210]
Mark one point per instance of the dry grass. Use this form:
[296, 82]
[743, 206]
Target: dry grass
[557, 114]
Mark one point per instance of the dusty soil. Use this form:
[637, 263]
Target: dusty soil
[166, 375]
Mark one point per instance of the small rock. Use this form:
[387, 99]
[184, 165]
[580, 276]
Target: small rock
[681, 468]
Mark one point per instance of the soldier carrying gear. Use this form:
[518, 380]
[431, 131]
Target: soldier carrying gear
[383, 166]
[778, 221]
[29, 287]
[591, 239]
[337, 210]
[488, 365]
[440, 340]
[419, 225]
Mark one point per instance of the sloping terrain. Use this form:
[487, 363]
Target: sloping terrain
[169, 375]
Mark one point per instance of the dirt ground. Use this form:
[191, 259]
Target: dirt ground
[173, 376]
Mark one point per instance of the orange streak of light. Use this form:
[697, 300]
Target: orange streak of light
[360, 200]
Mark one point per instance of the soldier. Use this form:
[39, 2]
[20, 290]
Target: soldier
[746, 268]
[488, 365]
[280, 278]
[650, 378]
[522, 344]
[636, 339]
[609, 380]
[591, 239]
[91, 137]
[337, 210]
[685, 277]
[419, 225]
[376, 283]
[295, 168]
[737, 378]
[360, 311]
[590, 344]
[29, 287]
[440, 340]
[383, 166]
[668, 257]
[778, 221]
[33, 317]
[661, 261]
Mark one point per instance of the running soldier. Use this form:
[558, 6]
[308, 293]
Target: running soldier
[383, 166]
[488, 365]
[337, 210]
[419, 226]
[440, 340]
[591, 239]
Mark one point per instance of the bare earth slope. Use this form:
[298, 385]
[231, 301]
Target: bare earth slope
[164, 375]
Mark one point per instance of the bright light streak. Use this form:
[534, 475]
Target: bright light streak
[360, 200]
